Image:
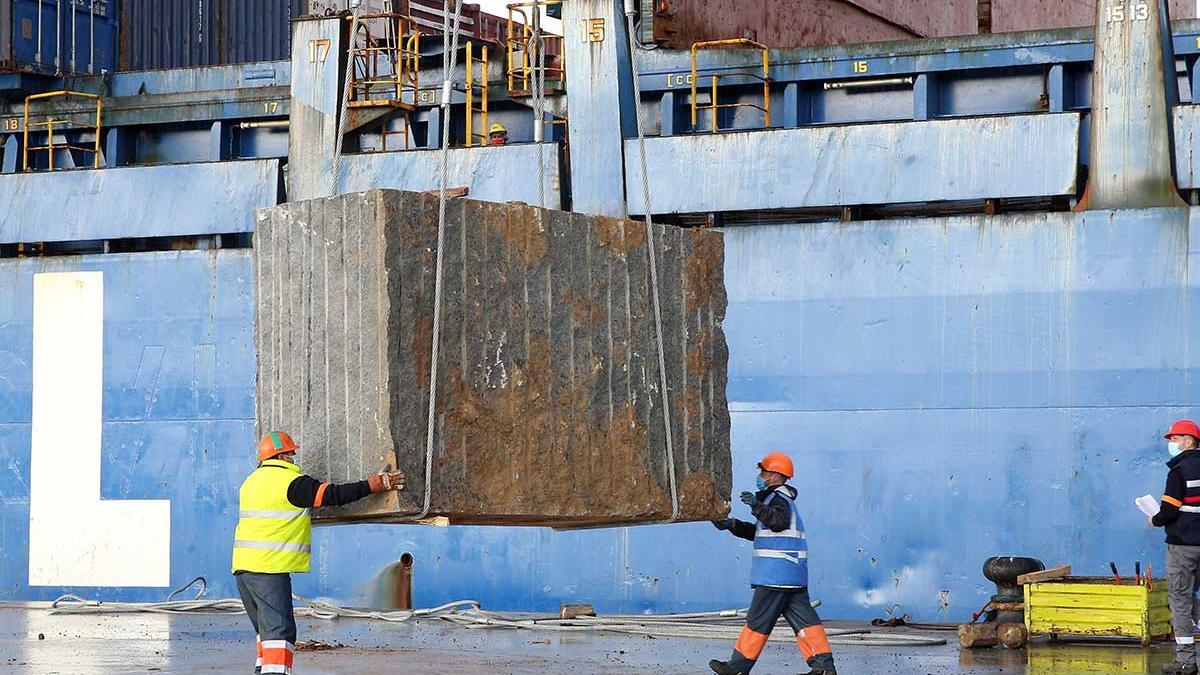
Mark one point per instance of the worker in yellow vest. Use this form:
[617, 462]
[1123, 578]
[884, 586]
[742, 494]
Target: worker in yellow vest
[274, 539]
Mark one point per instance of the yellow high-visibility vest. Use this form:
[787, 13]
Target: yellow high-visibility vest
[272, 536]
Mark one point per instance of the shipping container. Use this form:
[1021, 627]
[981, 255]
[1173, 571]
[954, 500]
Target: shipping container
[58, 36]
[193, 33]
[678, 24]
[1016, 15]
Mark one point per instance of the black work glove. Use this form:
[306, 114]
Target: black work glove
[723, 524]
[750, 499]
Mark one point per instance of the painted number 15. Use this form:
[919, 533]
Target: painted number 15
[593, 30]
[1119, 12]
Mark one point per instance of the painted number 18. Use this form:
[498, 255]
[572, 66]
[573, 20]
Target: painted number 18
[11, 125]
[1119, 12]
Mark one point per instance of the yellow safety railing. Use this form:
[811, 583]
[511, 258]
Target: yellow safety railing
[385, 69]
[715, 106]
[522, 50]
[62, 123]
[477, 95]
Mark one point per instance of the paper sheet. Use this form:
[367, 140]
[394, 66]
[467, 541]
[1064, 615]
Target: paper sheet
[1147, 504]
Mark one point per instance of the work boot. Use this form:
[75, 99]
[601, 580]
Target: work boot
[1179, 668]
[722, 668]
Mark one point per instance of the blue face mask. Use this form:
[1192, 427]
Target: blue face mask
[1174, 448]
[761, 483]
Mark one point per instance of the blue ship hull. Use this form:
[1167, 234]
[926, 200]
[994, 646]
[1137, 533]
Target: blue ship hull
[949, 388]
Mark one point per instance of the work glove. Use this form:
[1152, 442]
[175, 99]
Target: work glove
[723, 524]
[750, 499]
[386, 480]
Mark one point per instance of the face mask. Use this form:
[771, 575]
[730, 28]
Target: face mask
[1174, 448]
[761, 483]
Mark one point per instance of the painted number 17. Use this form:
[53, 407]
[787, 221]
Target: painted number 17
[1119, 12]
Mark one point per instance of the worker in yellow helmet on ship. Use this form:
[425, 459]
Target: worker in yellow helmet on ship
[778, 573]
[497, 134]
[274, 539]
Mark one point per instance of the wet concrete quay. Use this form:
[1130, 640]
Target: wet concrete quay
[33, 641]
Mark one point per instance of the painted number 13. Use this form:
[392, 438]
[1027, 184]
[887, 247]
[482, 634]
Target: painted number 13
[1119, 12]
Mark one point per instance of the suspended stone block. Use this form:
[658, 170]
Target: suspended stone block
[549, 409]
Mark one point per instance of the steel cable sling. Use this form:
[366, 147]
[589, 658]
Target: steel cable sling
[630, 12]
[450, 35]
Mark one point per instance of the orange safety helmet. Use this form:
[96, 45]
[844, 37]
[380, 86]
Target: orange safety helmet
[779, 463]
[1184, 428]
[275, 443]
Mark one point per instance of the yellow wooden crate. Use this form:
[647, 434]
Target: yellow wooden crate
[1097, 606]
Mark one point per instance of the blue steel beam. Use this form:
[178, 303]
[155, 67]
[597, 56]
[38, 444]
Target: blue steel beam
[664, 70]
[314, 132]
[212, 78]
[176, 200]
[1135, 85]
[602, 107]
[1186, 125]
[498, 174]
[944, 160]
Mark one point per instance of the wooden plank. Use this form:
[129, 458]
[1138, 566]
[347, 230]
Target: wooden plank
[1045, 575]
[1065, 601]
[1089, 610]
[451, 193]
[974, 635]
[575, 611]
[1075, 628]
[1110, 590]
[1012, 635]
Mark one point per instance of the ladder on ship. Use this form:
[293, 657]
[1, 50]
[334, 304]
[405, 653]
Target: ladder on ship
[384, 80]
[59, 123]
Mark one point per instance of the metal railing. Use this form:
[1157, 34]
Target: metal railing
[522, 47]
[716, 106]
[477, 95]
[385, 68]
[68, 121]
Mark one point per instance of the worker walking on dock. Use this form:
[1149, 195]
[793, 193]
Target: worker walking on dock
[778, 573]
[274, 539]
[1179, 513]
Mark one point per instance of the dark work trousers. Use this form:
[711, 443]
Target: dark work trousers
[1183, 579]
[794, 606]
[268, 602]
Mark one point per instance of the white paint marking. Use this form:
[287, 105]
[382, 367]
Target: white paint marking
[75, 538]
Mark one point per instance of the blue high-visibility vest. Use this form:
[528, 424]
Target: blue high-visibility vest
[781, 558]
